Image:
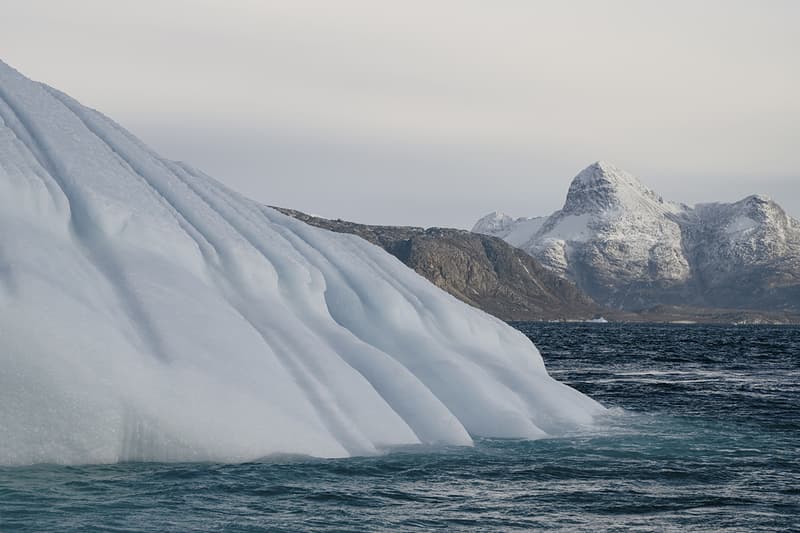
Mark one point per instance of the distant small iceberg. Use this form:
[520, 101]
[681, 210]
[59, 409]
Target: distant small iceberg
[598, 320]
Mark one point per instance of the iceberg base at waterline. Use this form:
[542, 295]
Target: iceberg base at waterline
[149, 313]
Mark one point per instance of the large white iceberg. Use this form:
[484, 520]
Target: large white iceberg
[149, 313]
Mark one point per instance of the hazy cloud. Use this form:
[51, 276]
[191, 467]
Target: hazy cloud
[436, 112]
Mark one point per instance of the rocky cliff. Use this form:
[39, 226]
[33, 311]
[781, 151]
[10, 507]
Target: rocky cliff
[481, 270]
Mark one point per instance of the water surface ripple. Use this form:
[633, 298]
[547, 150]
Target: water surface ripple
[703, 434]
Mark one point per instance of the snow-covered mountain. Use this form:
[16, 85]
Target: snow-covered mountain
[148, 312]
[628, 248]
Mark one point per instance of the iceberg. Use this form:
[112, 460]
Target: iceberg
[148, 313]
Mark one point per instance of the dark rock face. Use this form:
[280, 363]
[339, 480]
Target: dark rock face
[481, 270]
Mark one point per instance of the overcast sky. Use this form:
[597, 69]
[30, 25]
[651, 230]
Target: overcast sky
[436, 112]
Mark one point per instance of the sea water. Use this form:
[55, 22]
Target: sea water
[703, 434]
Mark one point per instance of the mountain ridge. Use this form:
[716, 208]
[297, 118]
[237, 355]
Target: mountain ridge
[480, 270]
[630, 249]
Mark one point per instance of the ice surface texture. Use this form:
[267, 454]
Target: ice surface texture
[149, 313]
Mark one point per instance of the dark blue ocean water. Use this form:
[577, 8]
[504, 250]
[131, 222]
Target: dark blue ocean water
[704, 434]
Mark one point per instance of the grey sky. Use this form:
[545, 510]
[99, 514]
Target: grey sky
[436, 112]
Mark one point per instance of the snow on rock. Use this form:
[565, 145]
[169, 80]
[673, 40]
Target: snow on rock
[149, 313]
[752, 231]
[619, 226]
[494, 223]
[741, 224]
[626, 247]
[514, 231]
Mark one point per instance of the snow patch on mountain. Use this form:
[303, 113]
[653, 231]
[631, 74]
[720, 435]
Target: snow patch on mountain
[515, 231]
[740, 225]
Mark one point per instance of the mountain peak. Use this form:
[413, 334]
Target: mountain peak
[601, 172]
[602, 186]
[762, 208]
[492, 223]
[758, 200]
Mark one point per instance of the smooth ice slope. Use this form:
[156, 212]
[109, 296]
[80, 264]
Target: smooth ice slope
[149, 313]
